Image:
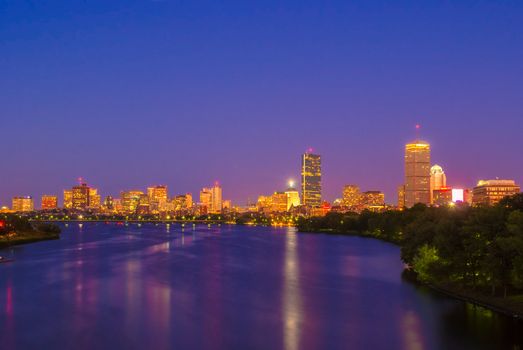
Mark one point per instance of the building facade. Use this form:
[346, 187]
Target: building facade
[49, 202]
[438, 180]
[490, 192]
[68, 199]
[23, 204]
[311, 180]
[352, 197]
[80, 199]
[417, 173]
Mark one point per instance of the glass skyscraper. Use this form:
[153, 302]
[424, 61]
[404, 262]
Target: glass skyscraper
[417, 173]
[311, 179]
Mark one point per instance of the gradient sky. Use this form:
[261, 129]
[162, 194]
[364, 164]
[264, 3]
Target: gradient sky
[127, 93]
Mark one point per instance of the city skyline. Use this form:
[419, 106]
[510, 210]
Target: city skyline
[390, 198]
[257, 95]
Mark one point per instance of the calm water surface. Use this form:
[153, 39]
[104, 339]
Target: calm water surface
[106, 286]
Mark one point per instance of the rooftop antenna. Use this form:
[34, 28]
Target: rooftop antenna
[418, 127]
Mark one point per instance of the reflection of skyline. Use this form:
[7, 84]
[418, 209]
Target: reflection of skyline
[411, 331]
[292, 303]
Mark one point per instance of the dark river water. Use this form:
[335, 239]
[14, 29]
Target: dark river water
[108, 286]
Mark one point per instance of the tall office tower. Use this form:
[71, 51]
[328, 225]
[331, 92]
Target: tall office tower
[401, 197]
[352, 197]
[188, 200]
[278, 202]
[95, 200]
[293, 196]
[417, 173]
[438, 180]
[216, 202]
[205, 200]
[68, 199]
[130, 201]
[23, 204]
[109, 203]
[311, 179]
[81, 196]
[158, 198]
[49, 202]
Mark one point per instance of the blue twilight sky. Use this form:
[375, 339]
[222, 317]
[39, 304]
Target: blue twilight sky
[127, 93]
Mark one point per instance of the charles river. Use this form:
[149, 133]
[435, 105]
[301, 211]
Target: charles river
[110, 286]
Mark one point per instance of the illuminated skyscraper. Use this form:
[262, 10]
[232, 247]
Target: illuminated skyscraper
[23, 204]
[352, 197]
[130, 201]
[95, 200]
[401, 196]
[205, 200]
[311, 179]
[216, 199]
[438, 180]
[417, 173]
[49, 202]
[158, 198]
[109, 203]
[81, 197]
[293, 196]
[68, 199]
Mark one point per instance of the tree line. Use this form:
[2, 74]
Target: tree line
[478, 248]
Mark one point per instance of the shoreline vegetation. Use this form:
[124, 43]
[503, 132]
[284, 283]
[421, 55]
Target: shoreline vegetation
[471, 254]
[16, 230]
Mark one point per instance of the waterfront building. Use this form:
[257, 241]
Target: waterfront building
[373, 200]
[417, 173]
[80, 197]
[109, 204]
[442, 196]
[401, 197]
[158, 198]
[144, 205]
[489, 192]
[216, 199]
[130, 201]
[279, 202]
[293, 196]
[182, 204]
[205, 200]
[95, 200]
[68, 199]
[211, 199]
[438, 180]
[22, 204]
[264, 203]
[311, 179]
[189, 201]
[352, 197]
[321, 210]
[49, 202]
[227, 205]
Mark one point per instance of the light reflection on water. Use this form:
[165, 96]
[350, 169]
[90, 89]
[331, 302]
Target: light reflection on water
[109, 286]
[292, 313]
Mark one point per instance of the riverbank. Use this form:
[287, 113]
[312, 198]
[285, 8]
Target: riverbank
[27, 237]
[512, 305]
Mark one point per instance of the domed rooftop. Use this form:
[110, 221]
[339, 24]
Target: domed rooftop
[436, 169]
